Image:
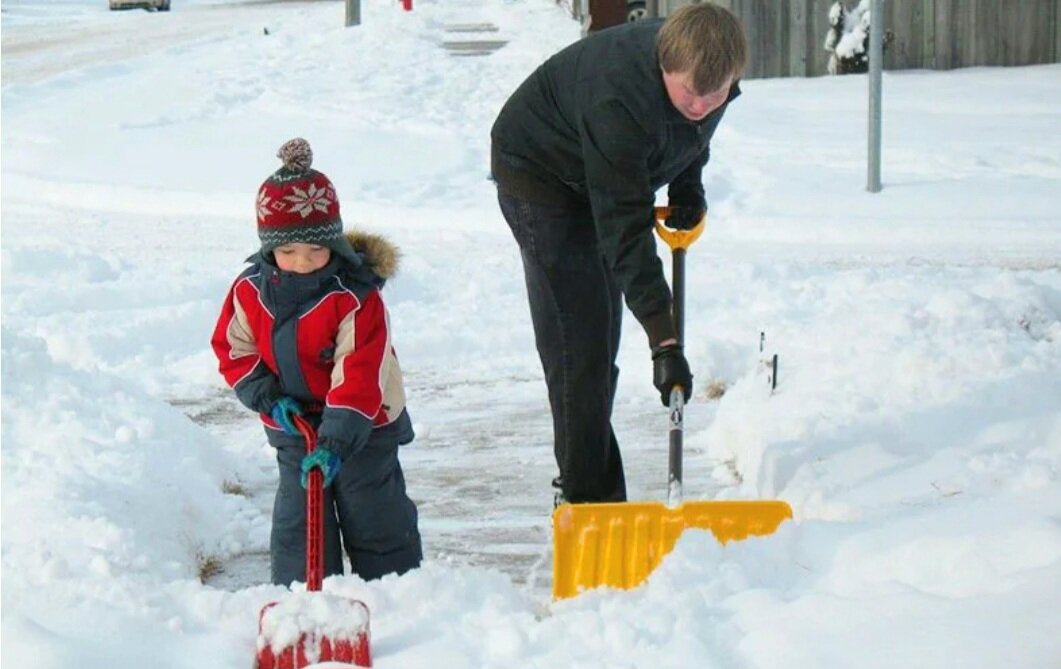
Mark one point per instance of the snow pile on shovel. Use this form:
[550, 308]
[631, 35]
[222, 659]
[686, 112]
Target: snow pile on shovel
[288, 620]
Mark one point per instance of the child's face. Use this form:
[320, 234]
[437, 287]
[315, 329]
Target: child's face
[301, 258]
[686, 100]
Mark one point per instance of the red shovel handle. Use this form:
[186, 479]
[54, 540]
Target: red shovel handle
[314, 513]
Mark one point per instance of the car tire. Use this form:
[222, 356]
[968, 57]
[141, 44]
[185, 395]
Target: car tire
[635, 11]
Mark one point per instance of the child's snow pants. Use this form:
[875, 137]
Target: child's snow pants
[366, 504]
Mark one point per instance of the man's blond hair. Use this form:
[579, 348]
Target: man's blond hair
[706, 40]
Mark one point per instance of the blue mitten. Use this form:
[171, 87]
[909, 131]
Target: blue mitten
[284, 411]
[322, 458]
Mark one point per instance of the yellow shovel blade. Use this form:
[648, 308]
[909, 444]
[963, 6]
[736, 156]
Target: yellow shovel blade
[618, 545]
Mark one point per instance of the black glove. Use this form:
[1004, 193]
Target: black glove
[669, 369]
[685, 217]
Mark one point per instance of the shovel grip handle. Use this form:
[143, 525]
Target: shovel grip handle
[677, 239]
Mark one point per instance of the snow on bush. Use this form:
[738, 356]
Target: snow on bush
[848, 38]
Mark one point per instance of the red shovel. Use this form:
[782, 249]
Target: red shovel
[312, 627]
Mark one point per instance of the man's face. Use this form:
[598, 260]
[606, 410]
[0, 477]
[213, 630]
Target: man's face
[685, 98]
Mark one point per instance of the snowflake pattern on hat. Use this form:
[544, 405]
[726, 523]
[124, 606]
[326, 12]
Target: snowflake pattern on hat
[305, 202]
[263, 204]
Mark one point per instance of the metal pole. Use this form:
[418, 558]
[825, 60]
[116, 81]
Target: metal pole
[353, 13]
[876, 66]
[677, 395]
[678, 289]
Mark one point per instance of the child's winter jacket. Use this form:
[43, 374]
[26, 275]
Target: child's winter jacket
[322, 338]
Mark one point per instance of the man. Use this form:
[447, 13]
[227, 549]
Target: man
[578, 152]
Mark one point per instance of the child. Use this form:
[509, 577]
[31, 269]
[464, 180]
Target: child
[304, 331]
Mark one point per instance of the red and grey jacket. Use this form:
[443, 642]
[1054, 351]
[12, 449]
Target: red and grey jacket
[322, 338]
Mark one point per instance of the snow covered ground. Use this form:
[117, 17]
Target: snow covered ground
[916, 428]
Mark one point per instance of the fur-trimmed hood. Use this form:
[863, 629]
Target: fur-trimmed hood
[380, 255]
[370, 258]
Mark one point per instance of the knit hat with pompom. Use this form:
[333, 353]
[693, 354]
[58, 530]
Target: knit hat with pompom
[297, 203]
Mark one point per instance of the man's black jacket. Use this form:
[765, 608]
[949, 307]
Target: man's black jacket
[593, 125]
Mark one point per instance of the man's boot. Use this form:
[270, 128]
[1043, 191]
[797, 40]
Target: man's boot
[558, 496]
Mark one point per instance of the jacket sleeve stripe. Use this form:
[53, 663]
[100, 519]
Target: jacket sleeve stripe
[361, 347]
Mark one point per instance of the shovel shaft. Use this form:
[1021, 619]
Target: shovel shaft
[677, 430]
[677, 395]
[314, 513]
[678, 241]
[678, 289]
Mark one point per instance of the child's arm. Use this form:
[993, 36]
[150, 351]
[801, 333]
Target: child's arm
[238, 357]
[362, 347]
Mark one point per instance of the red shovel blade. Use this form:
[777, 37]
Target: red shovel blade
[309, 628]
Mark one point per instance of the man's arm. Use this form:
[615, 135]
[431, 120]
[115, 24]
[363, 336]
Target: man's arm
[615, 151]
[687, 189]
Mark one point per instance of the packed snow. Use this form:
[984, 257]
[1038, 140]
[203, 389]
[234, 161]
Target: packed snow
[915, 428]
[333, 617]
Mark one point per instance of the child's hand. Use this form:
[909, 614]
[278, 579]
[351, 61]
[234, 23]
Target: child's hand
[284, 411]
[328, 462]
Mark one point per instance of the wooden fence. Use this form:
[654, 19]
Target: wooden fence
[786, 38]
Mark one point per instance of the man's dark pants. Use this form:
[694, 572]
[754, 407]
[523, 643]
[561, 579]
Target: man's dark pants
[576, 308]
[366, 504]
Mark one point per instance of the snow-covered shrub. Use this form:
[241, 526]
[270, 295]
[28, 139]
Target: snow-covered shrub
[848, 38]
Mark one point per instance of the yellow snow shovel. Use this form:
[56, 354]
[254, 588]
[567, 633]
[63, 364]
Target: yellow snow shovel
[618, 545]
